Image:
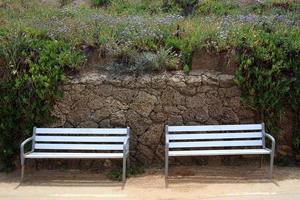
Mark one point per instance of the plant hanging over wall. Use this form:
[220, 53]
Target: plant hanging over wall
[36, 66]
[269, 72]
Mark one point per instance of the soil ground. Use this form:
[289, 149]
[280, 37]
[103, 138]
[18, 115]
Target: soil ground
[185, 183]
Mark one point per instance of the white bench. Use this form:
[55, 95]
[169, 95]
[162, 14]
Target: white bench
[78, 143]
[214, 140]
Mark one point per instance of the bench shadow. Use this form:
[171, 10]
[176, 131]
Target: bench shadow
[217, 179]
[222, 175]
[67, 179]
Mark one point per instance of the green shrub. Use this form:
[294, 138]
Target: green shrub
[125, 54]
[36, 67]
[129, 61]
[133, 7]
[269, 71]
[190, 38]
[165, 59]
[186, 69]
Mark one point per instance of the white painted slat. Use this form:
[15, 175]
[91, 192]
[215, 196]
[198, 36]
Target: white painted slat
[203, 136]
[80, 139]
[79, 146]
[220, 152]
[92, 131]
[73, 155]
[216, 144]
[242, 127]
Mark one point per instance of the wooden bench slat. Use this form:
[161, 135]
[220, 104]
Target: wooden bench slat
[91, 139]
[215, 136]
[78, 146]
[242, 127]
[73, 155]
[89, 131]
[219, 152]
[234, 143]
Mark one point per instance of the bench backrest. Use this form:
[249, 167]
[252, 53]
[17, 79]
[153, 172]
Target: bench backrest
[215, 136]
[79, 139]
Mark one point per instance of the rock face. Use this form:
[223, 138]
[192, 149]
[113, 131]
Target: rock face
[147, 103]
[224, 62]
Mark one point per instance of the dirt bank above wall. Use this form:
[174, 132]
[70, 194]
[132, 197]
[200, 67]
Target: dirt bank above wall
[147, 103]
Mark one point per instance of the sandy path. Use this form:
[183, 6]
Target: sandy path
[189, 183]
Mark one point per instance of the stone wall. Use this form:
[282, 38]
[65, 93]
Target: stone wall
[147, 103]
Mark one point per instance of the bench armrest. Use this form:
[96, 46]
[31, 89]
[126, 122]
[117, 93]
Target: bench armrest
[167, 142]
[126, 145]
[22, 146]
[272, 140]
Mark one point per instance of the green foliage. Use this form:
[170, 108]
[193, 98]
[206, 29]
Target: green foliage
[125, 54]
[216, 7]
[186, 69]
[190, 38]
[165, 59]
[134, 7]
[36, 65]
[182, 46]
[129, 60]
[269, 71]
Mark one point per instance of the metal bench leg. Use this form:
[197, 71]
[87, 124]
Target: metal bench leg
[271, 164]
[128, 162]
[124, 169]
[166, 169]
[22, 168]
[261, 161]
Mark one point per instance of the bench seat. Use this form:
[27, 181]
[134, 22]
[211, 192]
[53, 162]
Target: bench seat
[220, 152]
[39, 155]
[217, 140]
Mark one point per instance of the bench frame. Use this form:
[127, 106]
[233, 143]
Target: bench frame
[125, 150]
[195, 128]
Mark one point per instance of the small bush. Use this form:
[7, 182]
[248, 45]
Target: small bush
[186, 69]
[129, 60]
[166, 59]
[269, 70]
